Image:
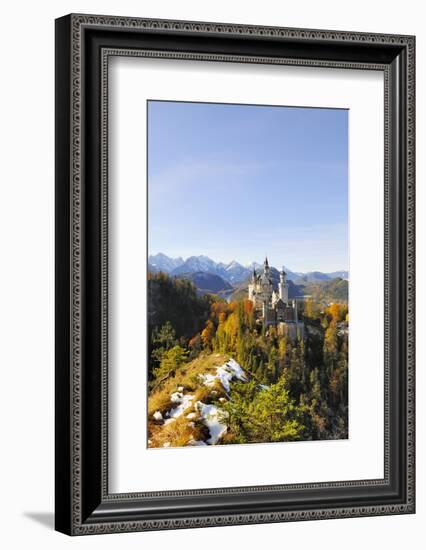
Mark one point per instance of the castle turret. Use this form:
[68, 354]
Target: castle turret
[252, 287]
[266, 266]
[283, 287]
[265, 281]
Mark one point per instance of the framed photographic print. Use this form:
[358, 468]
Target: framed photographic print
[234, 274]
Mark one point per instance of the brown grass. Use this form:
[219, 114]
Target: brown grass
[188, 377]
[158, 401]
[209, 394]
[227, 438]
[177, 433]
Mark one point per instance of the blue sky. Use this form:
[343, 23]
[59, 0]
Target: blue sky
[241, 181]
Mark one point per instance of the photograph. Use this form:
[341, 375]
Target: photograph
[235, 275]
[248, 274]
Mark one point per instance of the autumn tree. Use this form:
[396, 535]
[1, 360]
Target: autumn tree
[310, 309]
[207, 334]
[337, 312]
[330, 345]
[195, 345]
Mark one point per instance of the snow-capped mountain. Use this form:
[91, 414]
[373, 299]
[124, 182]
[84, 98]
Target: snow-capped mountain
[161, 262]
[254, 265]
[196, 263]
[233, 272]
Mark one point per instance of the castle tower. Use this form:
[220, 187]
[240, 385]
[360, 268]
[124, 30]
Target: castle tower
[252, 287]
[283, 287]
[264, 287]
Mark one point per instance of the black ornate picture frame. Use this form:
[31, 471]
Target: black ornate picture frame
[84, 43]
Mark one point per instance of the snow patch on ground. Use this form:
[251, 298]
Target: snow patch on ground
[176, 397]
[210, 415]
[182, 401]
[227, 372]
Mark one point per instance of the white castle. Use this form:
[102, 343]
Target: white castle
[273, 307]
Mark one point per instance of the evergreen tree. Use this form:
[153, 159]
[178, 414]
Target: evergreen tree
[171, 361]
[256, 415]
[161, 341]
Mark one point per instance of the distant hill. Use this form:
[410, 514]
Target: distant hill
[325, 292]
[207, 282]
[311, 277]
[341, 274]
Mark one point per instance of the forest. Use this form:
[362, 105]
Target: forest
[218, 376]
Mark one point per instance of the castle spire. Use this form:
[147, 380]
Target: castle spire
[266, 264]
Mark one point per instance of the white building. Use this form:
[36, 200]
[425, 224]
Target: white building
[273, 307]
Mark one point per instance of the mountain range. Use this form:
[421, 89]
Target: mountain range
[209, 283]
[233, 273]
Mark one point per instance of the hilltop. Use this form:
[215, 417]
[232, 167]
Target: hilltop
[199, 405]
